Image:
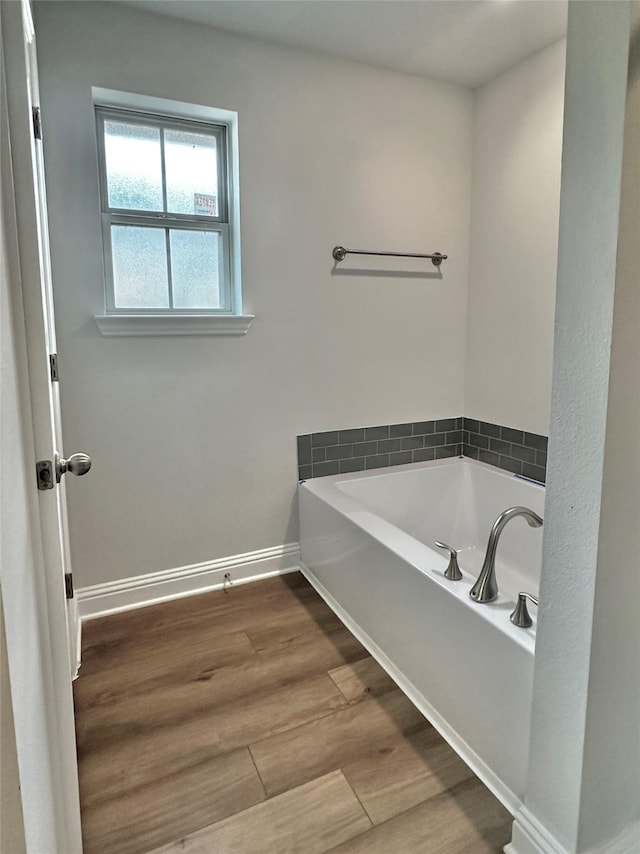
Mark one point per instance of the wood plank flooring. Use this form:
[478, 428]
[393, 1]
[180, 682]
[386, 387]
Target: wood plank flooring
[250, 721]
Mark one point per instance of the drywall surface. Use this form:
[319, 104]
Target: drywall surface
[514, 243]
[583, 769]
[193, 440]
[11, 826]
[611, 777]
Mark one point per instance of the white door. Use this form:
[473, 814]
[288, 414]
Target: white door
[40, 628]
[52, 467]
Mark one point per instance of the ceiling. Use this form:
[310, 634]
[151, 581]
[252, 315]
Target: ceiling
[460, 41]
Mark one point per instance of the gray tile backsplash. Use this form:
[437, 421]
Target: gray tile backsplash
[513, 450]
[363, 448]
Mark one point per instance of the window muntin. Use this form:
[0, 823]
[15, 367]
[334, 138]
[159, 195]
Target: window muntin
[165, 213]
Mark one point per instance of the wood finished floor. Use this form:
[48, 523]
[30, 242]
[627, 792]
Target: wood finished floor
[252, 722]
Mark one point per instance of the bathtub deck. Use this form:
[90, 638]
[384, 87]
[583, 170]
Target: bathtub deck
[252, 721]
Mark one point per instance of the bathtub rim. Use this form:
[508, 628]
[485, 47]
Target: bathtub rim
[333, 480]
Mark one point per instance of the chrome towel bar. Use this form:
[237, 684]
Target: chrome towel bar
[339, 253]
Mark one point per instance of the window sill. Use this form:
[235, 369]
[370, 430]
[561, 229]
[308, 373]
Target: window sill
[119, 325]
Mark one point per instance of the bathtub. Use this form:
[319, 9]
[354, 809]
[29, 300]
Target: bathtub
[367, 548]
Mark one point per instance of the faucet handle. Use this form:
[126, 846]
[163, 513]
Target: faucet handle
[452, 572]
[520, 615]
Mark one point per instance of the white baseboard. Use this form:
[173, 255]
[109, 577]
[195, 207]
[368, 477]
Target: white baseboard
[102, 599]
[530, 836]
[628, 842]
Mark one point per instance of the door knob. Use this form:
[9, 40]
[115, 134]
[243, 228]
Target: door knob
[77, 464]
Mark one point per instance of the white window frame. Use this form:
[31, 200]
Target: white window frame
[161, 112]
[160, 220]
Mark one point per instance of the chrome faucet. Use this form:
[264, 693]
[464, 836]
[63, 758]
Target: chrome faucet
[486, 587]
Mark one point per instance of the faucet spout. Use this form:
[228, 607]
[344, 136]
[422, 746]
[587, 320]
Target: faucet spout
[486, 587]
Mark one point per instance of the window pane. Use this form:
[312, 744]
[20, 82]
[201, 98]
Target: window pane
[134, 169]
[195, 263]
[191, 163]
[139, 267]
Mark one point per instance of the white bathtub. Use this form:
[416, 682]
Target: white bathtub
[366, 542]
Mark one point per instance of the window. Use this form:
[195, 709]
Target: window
[168, 232]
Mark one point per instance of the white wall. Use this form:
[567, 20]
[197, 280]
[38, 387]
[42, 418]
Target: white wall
[583, 785]
[514, 243]
[193, 440]
[611, 777]
[11, 826]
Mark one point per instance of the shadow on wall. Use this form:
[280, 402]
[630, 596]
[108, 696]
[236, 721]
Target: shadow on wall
[396, 274]
[292, 531]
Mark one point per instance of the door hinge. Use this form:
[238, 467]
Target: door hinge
[37, 122]
[68, 585]
[44, 474]
[53, 365]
